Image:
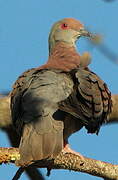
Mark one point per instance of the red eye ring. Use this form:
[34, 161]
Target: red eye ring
[64, 26]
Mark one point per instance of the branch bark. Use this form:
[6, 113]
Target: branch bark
[114, 115]
[67, 161]
[5, 115]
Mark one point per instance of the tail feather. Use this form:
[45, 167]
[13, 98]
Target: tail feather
[36, 145]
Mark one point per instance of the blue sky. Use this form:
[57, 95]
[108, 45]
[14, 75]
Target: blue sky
[24, 29]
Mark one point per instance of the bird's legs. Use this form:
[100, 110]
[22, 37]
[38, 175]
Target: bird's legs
[67, 149]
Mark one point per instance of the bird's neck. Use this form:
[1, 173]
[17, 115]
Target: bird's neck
[64, 57]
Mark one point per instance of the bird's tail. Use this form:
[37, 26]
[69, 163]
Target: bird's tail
[41, 139]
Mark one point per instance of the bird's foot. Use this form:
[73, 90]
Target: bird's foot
[67, 149]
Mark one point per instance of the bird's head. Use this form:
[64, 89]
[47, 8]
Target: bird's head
[67, 30]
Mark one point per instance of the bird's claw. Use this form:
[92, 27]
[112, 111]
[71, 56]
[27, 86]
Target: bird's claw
[67, 149]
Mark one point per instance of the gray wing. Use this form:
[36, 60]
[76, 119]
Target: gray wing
[97, 99]
[34, 107]
[90, 101]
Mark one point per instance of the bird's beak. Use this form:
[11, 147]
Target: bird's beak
[84, 32]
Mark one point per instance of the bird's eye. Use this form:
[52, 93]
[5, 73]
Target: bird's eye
[64, 26]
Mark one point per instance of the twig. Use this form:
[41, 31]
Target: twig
[18, 173]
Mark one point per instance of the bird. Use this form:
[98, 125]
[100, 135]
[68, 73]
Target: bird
[55, 100]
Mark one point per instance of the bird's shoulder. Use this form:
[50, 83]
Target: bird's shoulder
[36, 77]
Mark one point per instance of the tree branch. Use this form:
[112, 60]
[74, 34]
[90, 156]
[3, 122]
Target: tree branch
[5, 115]
[114, 115]
[67, 161]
